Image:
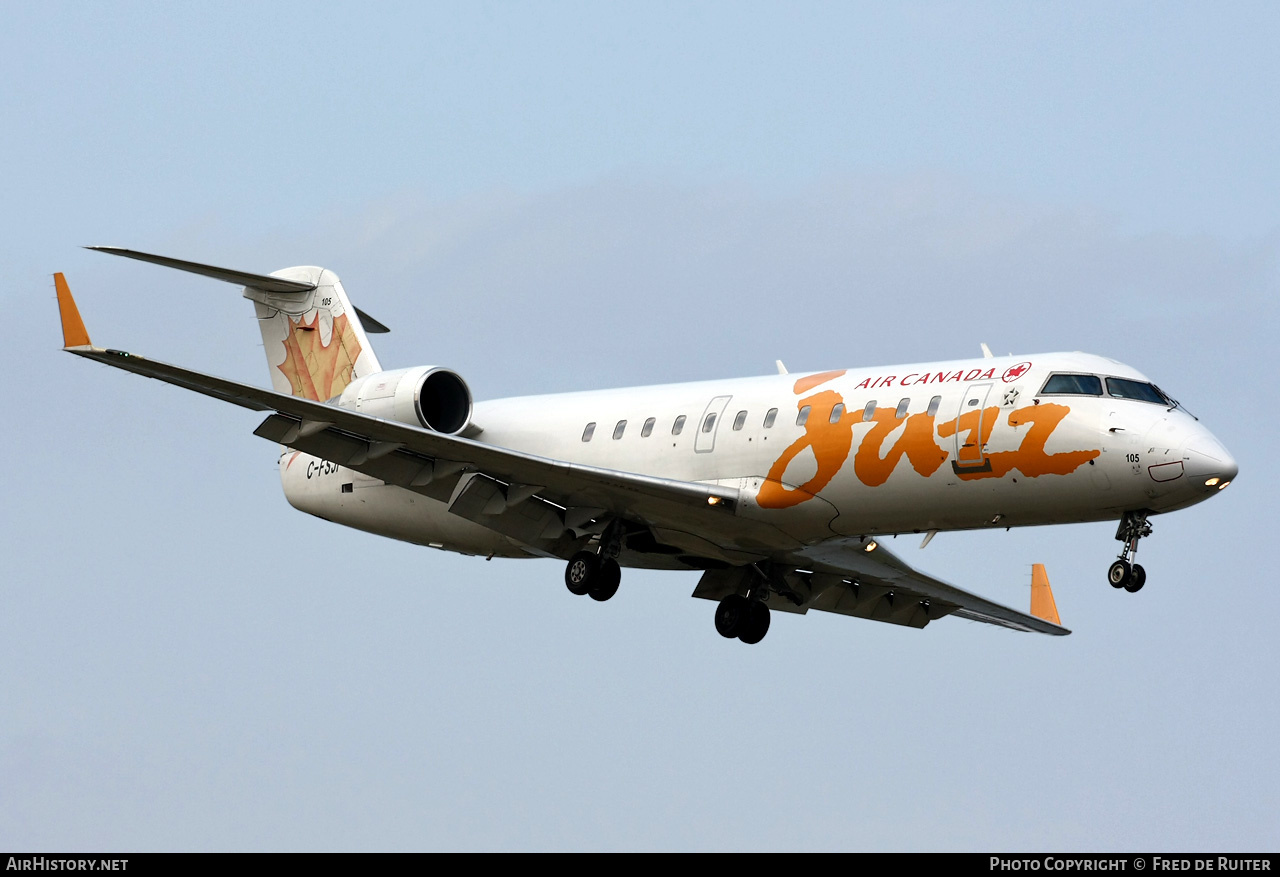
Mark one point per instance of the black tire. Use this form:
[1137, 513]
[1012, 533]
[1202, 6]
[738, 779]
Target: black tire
[1119, 574]
[757, 624]
[732, 615]
[608, 575]
[1137, 579]
[581, 573]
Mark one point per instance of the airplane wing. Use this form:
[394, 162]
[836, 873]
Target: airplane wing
[432, 463]
[529, 498]
[880, 573]
[534, 500]
[844, 577]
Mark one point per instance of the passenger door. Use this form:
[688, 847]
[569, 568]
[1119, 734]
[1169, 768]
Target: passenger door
[972, 428]
[709, 425]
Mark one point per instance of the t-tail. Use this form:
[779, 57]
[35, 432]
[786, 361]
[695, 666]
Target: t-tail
[316, 341]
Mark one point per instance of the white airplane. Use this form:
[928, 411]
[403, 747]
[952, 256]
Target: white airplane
[779, 488]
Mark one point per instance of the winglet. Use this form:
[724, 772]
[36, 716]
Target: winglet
[73, 331]
[1042, 603]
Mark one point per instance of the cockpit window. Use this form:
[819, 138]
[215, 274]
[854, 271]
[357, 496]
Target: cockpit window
[1072, 385]
[1122, 388]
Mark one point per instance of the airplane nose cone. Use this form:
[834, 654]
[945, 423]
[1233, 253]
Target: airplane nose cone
[1208, 462]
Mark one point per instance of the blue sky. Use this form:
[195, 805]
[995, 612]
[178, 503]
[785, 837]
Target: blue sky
[559, 196]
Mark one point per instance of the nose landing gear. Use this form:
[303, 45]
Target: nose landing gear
[1124, 573]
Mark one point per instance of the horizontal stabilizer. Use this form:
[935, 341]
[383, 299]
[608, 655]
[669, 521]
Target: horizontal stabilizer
[372, 326]
[264, 282]
[243, 278]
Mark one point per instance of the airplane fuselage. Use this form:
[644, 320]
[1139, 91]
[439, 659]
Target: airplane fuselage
[936, 446]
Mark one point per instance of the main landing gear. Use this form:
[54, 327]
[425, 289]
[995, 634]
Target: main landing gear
[742, 618]
[597, 575]
[1124, 573]
[745, 616]
[593, 575]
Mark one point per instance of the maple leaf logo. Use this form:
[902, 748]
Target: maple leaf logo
[316, 370]
[1013, 372]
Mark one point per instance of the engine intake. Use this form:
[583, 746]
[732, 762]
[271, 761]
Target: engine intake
[444, 402]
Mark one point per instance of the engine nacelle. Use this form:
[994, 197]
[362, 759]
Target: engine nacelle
[427, 395]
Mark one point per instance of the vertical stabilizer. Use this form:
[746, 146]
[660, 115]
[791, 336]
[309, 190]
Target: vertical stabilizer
[314, 340]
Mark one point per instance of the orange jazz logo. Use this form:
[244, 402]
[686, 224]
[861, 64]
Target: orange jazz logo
[914, 438]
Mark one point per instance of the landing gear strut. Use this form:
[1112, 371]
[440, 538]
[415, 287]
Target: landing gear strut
[1124, 573]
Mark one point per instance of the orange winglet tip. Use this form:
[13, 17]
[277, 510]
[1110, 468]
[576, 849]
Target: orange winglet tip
[73, 332]
[1042, 602]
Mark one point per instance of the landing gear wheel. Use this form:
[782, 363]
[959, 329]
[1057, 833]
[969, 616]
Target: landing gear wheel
[581, 573]
[608, 575]
[1120, 573]
[1136, 580]
[757, 624]
[732, 615]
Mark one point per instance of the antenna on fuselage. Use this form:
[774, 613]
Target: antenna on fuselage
[986, 351]
[782, 369]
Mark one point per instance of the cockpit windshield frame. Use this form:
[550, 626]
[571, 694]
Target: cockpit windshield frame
[1136, 391]
[1128, 389]
[1071, 384]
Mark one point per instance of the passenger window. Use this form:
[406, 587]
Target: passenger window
[647, 429]
[740, 419]
[903, 404]
[710, 423]
[1124, 389]
[619, 429]
[933, 405]
[869, 412]
[802, 416]
[1072, 385]
[678, 426]
[837, 411]
[589, 431]
[770, 417]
